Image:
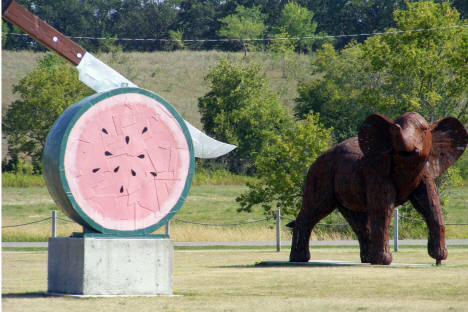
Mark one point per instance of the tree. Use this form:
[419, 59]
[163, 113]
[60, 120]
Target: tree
[247, 23]
[344, 17]
[424, 71]
[241, 109]
[45, 93]
[177, 36]
[283, 50]
[296, 22]
[198, 19]
[338, 91]
[462, 7]
[144, 19]
[282, 167]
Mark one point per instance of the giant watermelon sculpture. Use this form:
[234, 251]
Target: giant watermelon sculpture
[119, 162]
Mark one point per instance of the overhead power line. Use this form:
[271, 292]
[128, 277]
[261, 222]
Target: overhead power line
[397, 32]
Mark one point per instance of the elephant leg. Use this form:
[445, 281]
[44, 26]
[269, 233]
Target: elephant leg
[381, 195]
[311, 213]
[425, 200]
[359, 222]
[317, 203]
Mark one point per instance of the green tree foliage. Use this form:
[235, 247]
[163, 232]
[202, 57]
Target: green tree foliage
[296, 22]
[282, 167]
[246, 23]
[144, 19]
[283, 52]
[198, 19]
[422, 71]
[462, 7]
[176, 35]
[45, 93]
[241, 109]
[338, 91]
[344, 17]
[425, 72]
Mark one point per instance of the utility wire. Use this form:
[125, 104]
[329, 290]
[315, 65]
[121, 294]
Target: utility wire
[17, 225]
[66, 220]
[214, 224]
[268, 39]
[325, 224]
[230, 224]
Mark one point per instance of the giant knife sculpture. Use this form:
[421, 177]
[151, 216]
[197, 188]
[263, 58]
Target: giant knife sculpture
[121, 161]
[94, 73]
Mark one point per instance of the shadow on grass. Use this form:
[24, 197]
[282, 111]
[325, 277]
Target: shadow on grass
[325, 263]
[239, 266]
[26, 295]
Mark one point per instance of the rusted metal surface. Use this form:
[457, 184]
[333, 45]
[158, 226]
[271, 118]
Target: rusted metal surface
[42, 32]
[366, 177]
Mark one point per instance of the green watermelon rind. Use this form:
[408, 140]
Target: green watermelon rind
[54, 155]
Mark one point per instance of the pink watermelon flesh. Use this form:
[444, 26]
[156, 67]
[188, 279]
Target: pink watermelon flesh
[126, 162]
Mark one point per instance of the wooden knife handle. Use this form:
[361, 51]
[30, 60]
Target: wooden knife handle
[42, 32]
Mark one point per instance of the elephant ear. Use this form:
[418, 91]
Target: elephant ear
[374, 135]
[449, 140]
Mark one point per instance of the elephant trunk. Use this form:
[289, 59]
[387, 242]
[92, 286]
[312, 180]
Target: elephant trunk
[401, 142]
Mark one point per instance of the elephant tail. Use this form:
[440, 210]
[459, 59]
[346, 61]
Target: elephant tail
[291, 224]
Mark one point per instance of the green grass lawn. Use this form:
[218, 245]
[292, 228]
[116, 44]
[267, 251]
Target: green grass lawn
[212, 204]
[228, 280]
[457, 212]
[206, 203]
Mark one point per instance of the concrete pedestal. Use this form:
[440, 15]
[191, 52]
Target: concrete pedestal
[92, 266]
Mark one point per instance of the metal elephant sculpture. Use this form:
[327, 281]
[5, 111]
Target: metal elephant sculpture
[366, 177]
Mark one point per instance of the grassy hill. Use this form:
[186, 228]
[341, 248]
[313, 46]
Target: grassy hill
[176, 76]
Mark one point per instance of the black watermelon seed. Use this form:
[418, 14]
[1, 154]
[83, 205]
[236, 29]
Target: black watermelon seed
[104, 130]
[153, 174]
[127, 139]
[96, 170]
[141, 156]
[133, 172]
[116, 169]
[144, 129]
[121, 189]
[107, 153]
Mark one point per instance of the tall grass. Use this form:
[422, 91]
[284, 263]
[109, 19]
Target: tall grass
[202, 177]
[10, 179]
[219, 177]
[177, 76]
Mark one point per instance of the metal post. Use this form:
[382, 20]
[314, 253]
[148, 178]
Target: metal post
[278, 230]
[54, 223]
[168, 227]
[395, 230]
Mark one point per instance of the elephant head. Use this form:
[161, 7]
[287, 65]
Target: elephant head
[409, 145]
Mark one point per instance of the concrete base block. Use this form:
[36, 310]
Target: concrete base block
[93, 266]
